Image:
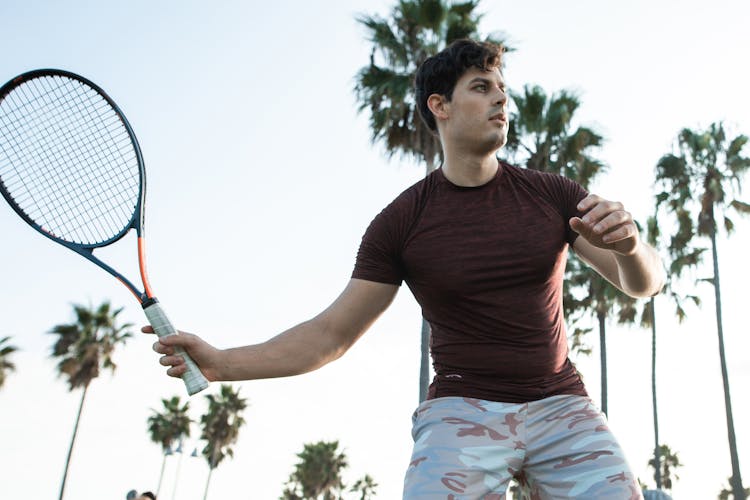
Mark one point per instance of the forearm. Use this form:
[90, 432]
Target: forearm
[301, 349]
[641, 273]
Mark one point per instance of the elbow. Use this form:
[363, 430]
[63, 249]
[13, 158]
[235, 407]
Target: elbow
[645, 293]
[658, 282]
[646, 288]
[642, 276]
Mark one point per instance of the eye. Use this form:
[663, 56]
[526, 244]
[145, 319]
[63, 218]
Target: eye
[481, 87]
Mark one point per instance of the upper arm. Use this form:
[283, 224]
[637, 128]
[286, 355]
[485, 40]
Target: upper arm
[352, 313]
[600, 259]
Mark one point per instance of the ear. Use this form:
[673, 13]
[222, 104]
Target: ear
[439, 106]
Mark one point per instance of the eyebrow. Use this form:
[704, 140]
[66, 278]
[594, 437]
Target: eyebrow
[481, 79]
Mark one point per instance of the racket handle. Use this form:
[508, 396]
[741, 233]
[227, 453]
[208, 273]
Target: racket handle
[193, 378]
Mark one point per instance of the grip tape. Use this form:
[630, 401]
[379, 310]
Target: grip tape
[193, 378]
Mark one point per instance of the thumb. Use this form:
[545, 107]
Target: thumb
[576, 224]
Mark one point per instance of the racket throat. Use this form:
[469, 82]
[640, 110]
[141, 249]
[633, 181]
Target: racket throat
[142, 268]
[147, 302]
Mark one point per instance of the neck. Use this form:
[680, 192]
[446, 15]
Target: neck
[470, 171]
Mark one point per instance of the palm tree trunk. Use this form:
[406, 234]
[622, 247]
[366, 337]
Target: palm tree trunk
[208, 481]
[161, 474]
[603, 356]
[72, 441]
[657, 457]
[177, 474]
[736, 480]
[424, 364]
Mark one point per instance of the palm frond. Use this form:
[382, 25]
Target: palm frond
[740, 206]
[221, 424]
[531, 108]
[560, 111]
[431, 14]
[85, 347]
[384, 40]
[462, 21]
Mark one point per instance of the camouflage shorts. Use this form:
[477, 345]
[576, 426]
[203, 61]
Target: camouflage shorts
[556, 448]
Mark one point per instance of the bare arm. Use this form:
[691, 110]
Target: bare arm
[301, 349]
[609, 242]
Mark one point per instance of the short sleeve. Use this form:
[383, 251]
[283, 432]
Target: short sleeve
[573, 193]
[378, 258]
[565, 194]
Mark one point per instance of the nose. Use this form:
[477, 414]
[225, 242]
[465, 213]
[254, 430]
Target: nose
[502, 96]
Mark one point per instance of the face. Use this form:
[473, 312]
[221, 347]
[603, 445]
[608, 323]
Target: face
[476, 117]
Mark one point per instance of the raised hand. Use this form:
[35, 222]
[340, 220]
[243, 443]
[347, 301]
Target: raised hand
[606, 224]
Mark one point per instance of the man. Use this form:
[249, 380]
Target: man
[146, 495]
[482, 245]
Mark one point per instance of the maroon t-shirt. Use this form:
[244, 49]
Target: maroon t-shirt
[486, 265]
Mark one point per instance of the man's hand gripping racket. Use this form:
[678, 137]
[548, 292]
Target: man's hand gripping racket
[71, 167]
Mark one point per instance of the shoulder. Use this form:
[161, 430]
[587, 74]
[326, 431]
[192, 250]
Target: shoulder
[549, 184]
[414, 197]
[536, 176]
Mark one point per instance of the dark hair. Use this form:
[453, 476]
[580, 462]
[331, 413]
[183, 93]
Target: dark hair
[438, 74]
[149, 495]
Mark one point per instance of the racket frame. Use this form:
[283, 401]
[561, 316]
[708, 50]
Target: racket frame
[86, 250]
[193, 378]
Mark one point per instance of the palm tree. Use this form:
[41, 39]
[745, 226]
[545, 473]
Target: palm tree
[700, 183]
[367, 487]
[601, 300]
[84, 348]
[649, 319]
[6, 365]
[726, 493]
[318, 473]
[221, 427]
[542, 137]
[682, 257]
[169, 427]
[668, 462]
[416, 30]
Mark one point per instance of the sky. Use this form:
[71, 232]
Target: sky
[262, 179]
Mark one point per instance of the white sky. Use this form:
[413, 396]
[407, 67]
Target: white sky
[261, 182]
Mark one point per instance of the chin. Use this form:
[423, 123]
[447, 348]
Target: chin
[491, 145]
[499, 140]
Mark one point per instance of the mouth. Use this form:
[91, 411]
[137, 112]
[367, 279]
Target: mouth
[499, 117]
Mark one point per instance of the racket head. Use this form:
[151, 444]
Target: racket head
[70, 163]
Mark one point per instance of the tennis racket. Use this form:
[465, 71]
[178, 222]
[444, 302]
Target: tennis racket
[71, 167]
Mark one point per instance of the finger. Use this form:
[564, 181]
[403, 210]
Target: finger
[600, 211]
[576, 224]
[147, 329]
[161, 348]
[177, 371]
[178, 338]
[611, 221]
[171, 360]
[589, 201]
[619, 233]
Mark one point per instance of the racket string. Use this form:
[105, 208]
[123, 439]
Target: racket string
[46, 131]
[88, 141]
[74, 143]
[49, 133]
